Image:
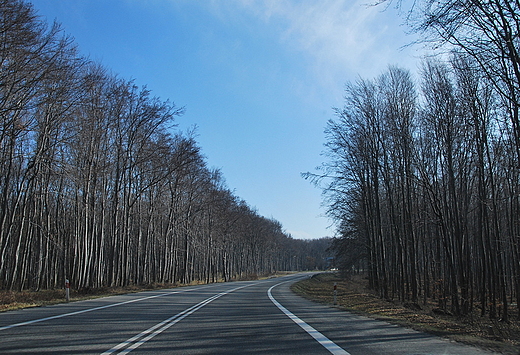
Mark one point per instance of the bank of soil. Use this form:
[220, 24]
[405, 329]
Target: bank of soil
[353, 295]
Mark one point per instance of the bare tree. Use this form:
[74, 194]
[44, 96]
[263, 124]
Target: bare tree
[97, 186]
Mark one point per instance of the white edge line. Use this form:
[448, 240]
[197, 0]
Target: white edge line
[90, 310]
[328, 344]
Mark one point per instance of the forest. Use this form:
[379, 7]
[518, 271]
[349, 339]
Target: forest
[98, 186]
[423, 172]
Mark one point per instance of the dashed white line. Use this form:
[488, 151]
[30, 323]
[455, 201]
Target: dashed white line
[328, 344]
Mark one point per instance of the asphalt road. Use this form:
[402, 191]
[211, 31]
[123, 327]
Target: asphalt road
[253, 317]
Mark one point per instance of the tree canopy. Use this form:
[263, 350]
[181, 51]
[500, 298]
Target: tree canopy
[423, 175]
[100, 188]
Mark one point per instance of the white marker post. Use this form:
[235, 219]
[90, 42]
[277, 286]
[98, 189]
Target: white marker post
[67, 290]
[335, 293]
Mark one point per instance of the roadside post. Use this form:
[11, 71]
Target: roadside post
[335, 293]
[67, 290]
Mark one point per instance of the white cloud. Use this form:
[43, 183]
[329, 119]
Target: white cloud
[341, 37]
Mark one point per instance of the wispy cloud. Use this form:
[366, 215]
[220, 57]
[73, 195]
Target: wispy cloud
[341, 36]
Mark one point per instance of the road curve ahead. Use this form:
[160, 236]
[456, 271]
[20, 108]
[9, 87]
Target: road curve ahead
[252, 317]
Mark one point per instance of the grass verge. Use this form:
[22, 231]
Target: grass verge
[353, 295]
[13, 300]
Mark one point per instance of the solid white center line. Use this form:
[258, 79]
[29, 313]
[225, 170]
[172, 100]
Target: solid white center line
[134, 342]
[320, 338]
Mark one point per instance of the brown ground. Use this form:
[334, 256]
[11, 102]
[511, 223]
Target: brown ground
[11, 300]
[353, 295]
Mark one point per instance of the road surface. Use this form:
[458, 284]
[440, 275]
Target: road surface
[251, 317]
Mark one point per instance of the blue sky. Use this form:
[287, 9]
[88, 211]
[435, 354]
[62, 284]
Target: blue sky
[258, 79]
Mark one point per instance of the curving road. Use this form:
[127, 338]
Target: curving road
[253, 317]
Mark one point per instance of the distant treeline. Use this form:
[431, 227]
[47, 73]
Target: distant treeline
[98, 187]
[424, 178]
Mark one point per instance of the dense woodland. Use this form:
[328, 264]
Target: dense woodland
[98, 187]
[423, 174]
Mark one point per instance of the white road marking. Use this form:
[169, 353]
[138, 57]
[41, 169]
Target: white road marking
[134, 342]
[92, 309]
[320, 338]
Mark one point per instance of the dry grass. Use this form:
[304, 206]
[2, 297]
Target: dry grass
[353, 295]
[12, 300]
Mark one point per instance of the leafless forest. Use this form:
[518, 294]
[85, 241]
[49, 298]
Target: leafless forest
[98, 187]
[423, 173]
